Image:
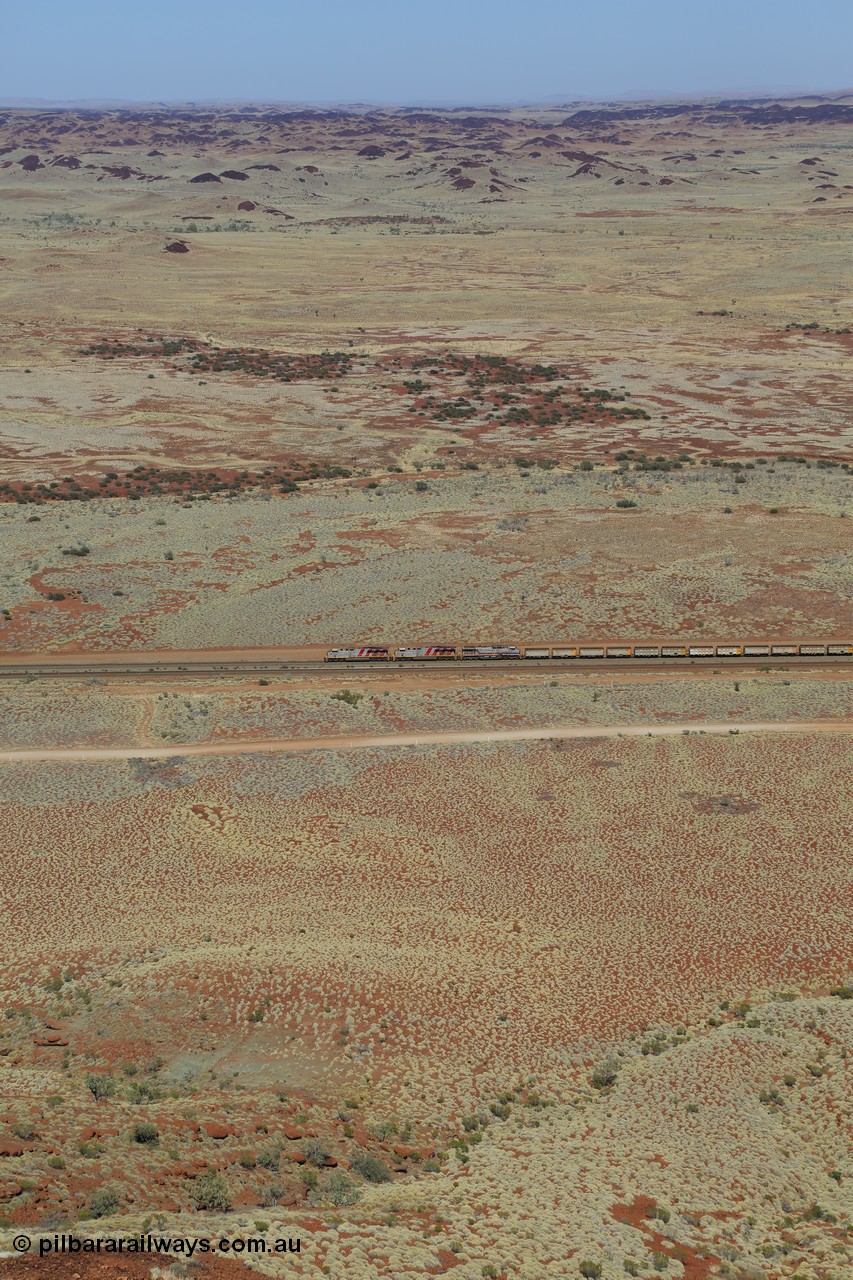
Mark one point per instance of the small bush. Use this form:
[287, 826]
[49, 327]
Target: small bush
[146, 1132]
[590, 1270]
[349, 696]
[315, 1152]
[382, 1129]
[625, 502]
[337, 1190]
[55, 1162]
[371, 1168]
[100, 1087]
[269, 1196]
[103, 1202]
[210, 1191]
[268, 1158]
[24, 1130]
[604, 1075]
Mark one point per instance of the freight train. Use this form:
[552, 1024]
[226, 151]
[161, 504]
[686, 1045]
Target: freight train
[507, 652]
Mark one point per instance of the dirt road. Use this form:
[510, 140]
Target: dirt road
[461, 737]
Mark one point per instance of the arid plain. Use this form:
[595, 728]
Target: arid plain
[568, 1007]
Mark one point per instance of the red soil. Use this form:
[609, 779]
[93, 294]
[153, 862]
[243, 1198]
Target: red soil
[638, 1215]
[79, 1266]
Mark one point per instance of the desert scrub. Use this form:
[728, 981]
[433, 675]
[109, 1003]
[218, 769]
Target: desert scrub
[382, 1129]
[269, 1157]
[349, 696]
[146, 1133]
[371, 1168]
[337, 1190]
[605, 1074]
[315, 1152]
[100, 1086]
[210, 1191]
[103, 1202]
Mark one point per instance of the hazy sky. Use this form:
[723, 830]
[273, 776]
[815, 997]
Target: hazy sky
[420, 51]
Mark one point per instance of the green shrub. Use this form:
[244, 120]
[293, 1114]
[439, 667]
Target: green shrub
[605, 1074]
[146, 1132]
[269, 1157]
[590, 1270]
[348, 696]
[337, 1190]
[315, 1152]
[100, 1086]
[371, 1167]
[103, 1203]
[382, 1129]
[210, 1191]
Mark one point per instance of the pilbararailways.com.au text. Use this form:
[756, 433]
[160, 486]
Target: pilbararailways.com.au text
[180, 1245]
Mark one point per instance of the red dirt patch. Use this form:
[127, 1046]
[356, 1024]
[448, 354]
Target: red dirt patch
[128, 1266]
[638, 1215]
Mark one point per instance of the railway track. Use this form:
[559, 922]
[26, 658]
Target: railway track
[149, 667]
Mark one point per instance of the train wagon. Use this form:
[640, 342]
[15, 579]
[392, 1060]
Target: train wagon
[621, 651]
[428, 653]
[485, 652]
[646, 651]
[756, 650]
[590, 653]
[672, 651]
[783, 650]
[537, 653]
[368, 653]
[563, 652]
[838, 649]
[813, 650]
[730, 650]
[701, 651]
